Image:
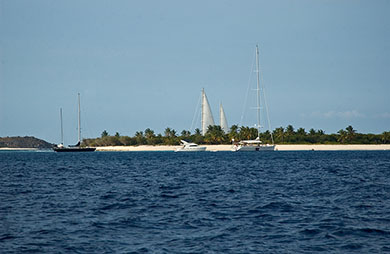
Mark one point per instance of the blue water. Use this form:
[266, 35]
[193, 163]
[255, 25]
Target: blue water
[224, 202]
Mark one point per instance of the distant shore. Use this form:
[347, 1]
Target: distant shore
[215, 148]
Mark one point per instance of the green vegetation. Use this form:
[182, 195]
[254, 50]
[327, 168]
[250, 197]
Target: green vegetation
[215, 135]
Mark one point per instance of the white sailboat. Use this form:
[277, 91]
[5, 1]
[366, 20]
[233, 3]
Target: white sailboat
[257, 144]
[207, 119]
[222, 119]
[207, 115]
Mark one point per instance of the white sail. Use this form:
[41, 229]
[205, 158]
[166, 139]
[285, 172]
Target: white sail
[207, 116]
[222, 119]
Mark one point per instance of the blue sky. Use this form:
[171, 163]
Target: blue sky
[142, 64]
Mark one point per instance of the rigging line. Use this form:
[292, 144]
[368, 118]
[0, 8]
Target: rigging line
[196, 113]
[266, 104]
[247, 91]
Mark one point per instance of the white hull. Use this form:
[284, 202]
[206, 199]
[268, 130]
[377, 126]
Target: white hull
[190, 149]
[237, 148]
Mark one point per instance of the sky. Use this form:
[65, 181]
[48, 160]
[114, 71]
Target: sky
[142, 64]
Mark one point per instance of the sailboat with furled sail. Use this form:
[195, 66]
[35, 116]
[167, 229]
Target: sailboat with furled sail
[77, 147]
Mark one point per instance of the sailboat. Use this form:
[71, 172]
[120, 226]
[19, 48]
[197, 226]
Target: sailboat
[77, 147]
[206, 120]
[222, 119]
[257, 144]
[207, 115]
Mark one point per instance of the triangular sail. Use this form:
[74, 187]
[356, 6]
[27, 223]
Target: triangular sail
[207, 116]
[222, 119]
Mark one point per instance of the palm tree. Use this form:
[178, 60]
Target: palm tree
[198, 131]
[290, 133]
[266, 137]
[170, 136]
[197, 137]
[104, 134]
[149, 134]
[169, 133]
[290, 130]
[301, 131]
[245, 133]
[150, 137]
[279, 134]
[385, 137]
[139, 137]
[351, 133]
[313, 136]
[342, 136]
[233, 133]
[215, 134]
[300, 135]
[185, 133]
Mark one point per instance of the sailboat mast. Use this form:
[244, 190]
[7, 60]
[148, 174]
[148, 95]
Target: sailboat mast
[258, 91]
[79, 120]
[202, 115]
[62, 129]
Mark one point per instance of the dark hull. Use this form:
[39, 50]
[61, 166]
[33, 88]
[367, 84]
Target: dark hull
[75, 149]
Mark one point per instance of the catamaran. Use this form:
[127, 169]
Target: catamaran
[257, 144]
[75, 148]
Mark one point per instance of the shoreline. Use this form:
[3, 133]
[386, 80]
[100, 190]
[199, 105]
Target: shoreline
[224, 148]
[220, 148]
[18, 149]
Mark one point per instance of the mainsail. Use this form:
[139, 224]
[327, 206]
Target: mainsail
[207, 116]
[222, 119]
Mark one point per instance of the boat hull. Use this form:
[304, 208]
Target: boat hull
[76, 150]
[254, 148]
[197, 149]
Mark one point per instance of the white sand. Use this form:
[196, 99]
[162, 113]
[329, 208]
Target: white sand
[331, 147]
[17, 149]
[214, 148]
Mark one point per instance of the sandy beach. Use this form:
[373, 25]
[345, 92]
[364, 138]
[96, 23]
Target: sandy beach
[215, 148]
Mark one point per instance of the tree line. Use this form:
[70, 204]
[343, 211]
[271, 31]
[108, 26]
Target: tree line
[215, 135]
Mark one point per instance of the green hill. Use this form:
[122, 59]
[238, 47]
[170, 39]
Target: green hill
[24, 142]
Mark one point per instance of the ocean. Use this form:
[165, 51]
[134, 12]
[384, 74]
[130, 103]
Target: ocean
[206, 202]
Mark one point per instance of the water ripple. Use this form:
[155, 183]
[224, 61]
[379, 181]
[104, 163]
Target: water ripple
[283, 202]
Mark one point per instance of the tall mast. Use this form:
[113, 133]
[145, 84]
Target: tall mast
[62, 129]
[202, 116]
[79, 120]
[258, 91]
